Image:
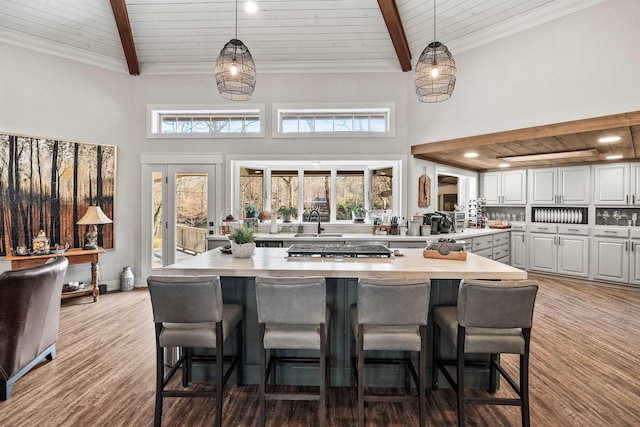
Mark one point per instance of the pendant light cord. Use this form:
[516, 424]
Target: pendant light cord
[237, 19]
[434, 31]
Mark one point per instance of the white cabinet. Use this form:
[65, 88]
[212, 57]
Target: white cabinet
[617, 184]
[518, 249]
[634, 267]
[559, 249]
[543, 252]
[504, 188]
[573, 255]
[611, 249]
[611, 259]
[492, 246]
[559, 186]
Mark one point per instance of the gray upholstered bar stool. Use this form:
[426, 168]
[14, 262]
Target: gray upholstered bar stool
[391, 315]
[492, 318]
[292, 314]
[188, 312]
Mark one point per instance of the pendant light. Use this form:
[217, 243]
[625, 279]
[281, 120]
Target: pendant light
[235, 70]
[435, 76]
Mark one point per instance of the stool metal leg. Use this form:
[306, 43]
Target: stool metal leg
[422, 385]
[263, 378]
[219, 372]
[322, 401]
[360, 375]
[460, 375]
[157, 417]
[524, 378]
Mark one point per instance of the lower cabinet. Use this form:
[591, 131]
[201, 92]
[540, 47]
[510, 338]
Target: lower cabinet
[611, 259]
[493, 246]
[559, 249]
[518, 249]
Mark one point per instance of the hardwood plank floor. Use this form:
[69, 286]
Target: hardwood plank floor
[584, 372]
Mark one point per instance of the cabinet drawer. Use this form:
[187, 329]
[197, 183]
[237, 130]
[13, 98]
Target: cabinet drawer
[501, 239]
[543, 228]
[482, 242]
[504, 260]
[518, 226]
[500, 252]
[486, 253]
[611, 231]
[573, 229]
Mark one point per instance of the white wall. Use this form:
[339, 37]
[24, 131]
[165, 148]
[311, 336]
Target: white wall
[583, 65]
[47, 96]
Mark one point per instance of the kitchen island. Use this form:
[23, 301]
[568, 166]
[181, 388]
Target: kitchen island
[238, 274]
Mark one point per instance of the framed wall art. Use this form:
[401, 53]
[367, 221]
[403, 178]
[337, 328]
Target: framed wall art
[48, 184]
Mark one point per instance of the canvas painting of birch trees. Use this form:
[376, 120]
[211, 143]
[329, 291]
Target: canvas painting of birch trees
[47, 184]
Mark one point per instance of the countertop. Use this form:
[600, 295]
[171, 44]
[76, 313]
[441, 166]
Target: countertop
[412, 265]
[468, 233]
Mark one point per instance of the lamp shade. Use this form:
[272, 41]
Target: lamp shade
[94, 215]
[235, 72]
[438, 85]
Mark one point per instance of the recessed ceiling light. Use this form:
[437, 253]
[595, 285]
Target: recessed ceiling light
[250, 7]
[614, 156]
[504, 165]
[471, 155]
[609, 139]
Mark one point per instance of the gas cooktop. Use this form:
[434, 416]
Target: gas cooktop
[346, 251]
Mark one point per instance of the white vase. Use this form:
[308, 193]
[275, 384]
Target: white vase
[242, 250]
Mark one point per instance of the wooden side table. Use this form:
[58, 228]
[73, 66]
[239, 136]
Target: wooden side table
[75, 256]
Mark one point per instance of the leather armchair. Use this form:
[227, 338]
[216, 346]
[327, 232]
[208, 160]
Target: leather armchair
[29, 318]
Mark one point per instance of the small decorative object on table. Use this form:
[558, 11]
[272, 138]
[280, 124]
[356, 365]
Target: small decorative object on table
[243, 241]
[41, 243]
[358, 213]
[446, 249]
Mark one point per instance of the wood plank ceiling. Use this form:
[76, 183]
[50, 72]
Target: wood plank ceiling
[318, 35]
[561, 144]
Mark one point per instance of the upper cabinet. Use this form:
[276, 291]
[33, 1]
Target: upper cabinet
[617, 184]
[504, 188]
[559, 186]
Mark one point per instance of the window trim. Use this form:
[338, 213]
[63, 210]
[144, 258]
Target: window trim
[154, 111]
[278, 110]
[367, 163]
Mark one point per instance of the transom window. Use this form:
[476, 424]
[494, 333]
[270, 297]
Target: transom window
[227, 123]
[375, 120]
[193, 122]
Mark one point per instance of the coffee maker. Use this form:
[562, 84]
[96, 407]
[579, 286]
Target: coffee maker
[432, 219]
[446, 225]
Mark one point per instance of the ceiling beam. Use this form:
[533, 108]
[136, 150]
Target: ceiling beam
[126, 36]
[391, 17]
[576, 126]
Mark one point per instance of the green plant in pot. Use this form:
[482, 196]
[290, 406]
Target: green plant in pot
[288, 213]
[243, 241]
[250, 210]
[358, 213]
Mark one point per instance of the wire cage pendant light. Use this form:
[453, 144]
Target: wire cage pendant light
[235, 69]
[435, 75]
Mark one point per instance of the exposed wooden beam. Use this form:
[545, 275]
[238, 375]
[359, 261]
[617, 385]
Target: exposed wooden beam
[126, 36]
[391, 17]
[576, 126]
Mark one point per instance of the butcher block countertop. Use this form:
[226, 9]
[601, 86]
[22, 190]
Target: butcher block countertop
[412, 265]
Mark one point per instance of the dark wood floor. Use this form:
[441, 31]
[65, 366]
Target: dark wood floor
[585, 371]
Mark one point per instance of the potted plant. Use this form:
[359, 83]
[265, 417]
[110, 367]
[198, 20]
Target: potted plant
[243, 241]
[358, 213]
[250, 210]
[287, 213]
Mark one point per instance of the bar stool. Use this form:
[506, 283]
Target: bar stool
[188, 312]
[292, 314]
[391, 315]
[492, 318]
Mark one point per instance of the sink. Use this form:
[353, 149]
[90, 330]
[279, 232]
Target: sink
[317, 235]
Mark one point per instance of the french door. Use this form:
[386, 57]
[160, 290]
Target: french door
[178, 213]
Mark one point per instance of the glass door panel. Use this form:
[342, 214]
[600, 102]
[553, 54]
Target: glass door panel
[191, 211]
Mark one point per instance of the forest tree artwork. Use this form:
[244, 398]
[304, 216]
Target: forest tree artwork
[48, 184]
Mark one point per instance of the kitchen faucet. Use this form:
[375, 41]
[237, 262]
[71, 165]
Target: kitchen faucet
[319, 219]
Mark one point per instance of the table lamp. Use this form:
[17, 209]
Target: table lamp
[93, 216]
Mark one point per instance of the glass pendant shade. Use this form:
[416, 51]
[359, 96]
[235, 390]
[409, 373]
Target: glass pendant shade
[235, 84]
[438, 85]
